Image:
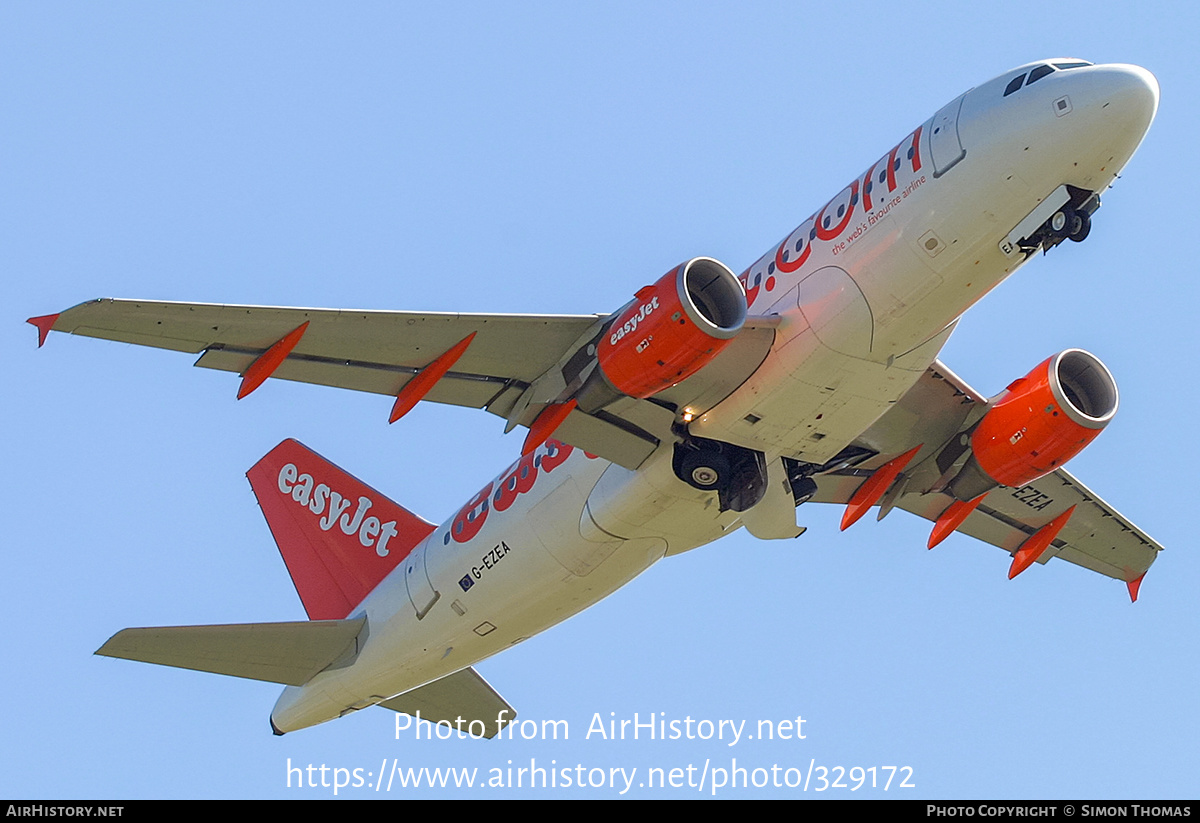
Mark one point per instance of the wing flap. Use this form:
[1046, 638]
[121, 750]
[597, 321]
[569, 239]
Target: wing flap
[456, 389]
[289, 653]
[463, 695]
[623, 444]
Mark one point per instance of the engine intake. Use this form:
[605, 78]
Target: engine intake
[1042, 421]
[672, 328]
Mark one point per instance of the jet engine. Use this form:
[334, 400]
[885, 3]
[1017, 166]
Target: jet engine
[1043, 420]
[671, 330]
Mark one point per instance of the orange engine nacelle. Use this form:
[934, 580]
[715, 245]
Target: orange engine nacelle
[1043, 420]
[673, 328]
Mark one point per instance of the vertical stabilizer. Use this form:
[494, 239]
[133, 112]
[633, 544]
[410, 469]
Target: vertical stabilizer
[338, 536]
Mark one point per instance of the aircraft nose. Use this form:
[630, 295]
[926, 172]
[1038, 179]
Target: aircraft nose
[1133, 92]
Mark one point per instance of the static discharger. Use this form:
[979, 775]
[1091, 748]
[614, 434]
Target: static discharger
[416, 388]
[549, 419]
[1032, 548]
[270, 360]
[952, 518]
[868, 493]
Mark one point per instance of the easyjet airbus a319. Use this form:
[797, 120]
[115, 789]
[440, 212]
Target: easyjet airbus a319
[709, 402]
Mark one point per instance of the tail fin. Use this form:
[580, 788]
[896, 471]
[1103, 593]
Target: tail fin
[338, 536]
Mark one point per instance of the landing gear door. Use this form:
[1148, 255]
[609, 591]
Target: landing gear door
[945, 146]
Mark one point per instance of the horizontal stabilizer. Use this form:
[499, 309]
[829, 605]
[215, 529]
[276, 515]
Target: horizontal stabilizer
[463, 695]
[289, 653]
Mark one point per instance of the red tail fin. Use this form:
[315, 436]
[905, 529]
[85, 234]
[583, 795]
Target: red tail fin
[338, 536]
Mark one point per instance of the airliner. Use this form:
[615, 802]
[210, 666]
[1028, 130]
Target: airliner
[708, 402]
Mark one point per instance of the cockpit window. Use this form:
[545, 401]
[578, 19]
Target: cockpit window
[1040, 72]
[1076, 65]
[1013, 85]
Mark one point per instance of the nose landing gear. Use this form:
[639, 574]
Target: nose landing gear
[1070, 224]
[1066, 214]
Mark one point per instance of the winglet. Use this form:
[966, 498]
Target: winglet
[1032, 548]
[549, 419]
[1133, 586]
[270, 360]
[874, 487]
[44, 324]
[419, 385]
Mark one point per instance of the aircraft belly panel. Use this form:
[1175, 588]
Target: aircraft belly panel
[561, 535]
[653, 502]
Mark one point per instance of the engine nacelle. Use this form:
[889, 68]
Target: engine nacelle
[673, 328]
[1043, 420]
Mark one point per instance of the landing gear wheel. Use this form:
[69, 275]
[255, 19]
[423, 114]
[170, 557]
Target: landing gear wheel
[705, 469]
[1064, 223]
[1085, 225]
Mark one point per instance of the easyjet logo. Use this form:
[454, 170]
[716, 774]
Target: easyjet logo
[631, 324]
[334, 509]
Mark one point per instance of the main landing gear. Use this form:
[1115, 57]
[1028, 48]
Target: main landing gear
[737, 475]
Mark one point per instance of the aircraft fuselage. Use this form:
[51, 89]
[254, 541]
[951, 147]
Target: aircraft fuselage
[867, 290]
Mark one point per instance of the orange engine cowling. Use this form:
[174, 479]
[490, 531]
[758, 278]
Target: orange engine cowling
[1042, 421]
[672, 328]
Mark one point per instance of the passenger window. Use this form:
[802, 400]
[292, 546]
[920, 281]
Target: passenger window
[1013, 85]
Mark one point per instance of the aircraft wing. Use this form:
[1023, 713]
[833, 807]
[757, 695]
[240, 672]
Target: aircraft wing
[935, 413]
[371, 351]
[513, 366]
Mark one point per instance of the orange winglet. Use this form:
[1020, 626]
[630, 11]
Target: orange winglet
[44, 324]
[418, 386]
[270, 360]
[868, 493]
[547, 421]
[1032, 548]
[1133, 586]
[952, 518]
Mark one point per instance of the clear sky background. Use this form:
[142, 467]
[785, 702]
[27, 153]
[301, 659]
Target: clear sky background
[554, 158]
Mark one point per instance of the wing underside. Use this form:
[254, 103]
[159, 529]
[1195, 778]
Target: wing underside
[939, 408]
[513, 366]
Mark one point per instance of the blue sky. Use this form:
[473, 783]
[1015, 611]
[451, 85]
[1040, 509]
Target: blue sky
[554, 158]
